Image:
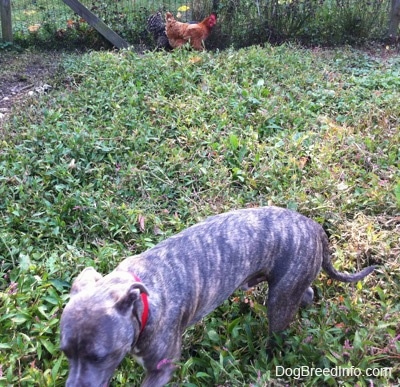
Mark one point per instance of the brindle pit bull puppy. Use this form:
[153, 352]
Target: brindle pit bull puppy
[145, 304]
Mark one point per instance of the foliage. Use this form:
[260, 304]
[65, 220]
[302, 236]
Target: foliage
[72, 33]
[128, 150]
[310, 22]
[5, 46]
[346, 22]
[240, 23]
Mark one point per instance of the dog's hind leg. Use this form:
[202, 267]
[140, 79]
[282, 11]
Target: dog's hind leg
[284, 300]
[283, 303]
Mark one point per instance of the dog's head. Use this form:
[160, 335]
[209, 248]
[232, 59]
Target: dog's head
[99, 325]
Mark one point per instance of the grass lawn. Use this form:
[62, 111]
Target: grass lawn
[127, 150]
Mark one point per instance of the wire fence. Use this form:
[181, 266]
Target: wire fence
[240, 22]
[32, 19]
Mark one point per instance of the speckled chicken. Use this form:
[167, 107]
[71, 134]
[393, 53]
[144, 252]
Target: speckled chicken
[156, 26]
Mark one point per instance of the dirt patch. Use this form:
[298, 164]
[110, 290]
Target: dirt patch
[25, 74]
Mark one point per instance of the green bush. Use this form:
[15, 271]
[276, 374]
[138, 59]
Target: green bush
[309, 22]
[240, 23]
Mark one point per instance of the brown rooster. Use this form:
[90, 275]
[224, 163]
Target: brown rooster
[179, 33]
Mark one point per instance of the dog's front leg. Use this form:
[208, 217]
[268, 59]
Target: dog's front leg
[158, 377]
[159, 374]
[161, 354]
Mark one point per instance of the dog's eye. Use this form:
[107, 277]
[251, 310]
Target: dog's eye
[94, 358]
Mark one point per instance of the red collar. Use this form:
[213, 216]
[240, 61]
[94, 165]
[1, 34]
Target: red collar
[145, 314]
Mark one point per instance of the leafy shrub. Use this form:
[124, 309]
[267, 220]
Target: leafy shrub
[345, 22]
[312, 22]
[240, 23]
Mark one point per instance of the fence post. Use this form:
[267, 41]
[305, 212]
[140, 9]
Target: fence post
[96, 23]
[6, 24]
[394, 19]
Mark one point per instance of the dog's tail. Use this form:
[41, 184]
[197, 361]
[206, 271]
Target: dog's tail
[336, 275]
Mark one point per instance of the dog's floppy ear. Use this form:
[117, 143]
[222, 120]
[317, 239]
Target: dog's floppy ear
[89, 276]
[126, 301]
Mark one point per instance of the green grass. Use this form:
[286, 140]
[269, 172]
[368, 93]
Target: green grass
[128, 150]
